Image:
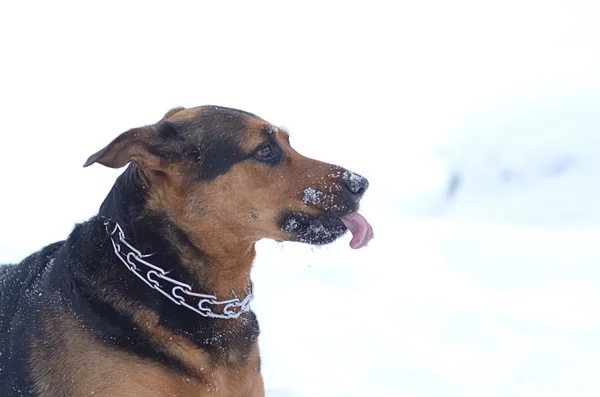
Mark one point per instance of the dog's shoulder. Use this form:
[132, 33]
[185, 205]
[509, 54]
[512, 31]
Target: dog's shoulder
[15, 280]
[16, 314]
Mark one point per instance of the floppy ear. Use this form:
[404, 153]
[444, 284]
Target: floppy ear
[134, 145]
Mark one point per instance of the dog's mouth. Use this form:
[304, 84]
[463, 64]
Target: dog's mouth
[326, 228]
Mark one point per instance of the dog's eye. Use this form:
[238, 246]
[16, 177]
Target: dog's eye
[265, 152]
[269, 152]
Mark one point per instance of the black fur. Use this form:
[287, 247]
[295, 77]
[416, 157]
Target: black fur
[211, 140]
[217, 156]
[312, 229]
[21, 299]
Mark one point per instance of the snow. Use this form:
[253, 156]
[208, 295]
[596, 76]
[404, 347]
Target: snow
[432, 308]
[311, 196]
[325, 196]
[458, 309]
[531, 162]
[488, 291]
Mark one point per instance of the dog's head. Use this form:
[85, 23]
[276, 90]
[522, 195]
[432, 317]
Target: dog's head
[230, 174]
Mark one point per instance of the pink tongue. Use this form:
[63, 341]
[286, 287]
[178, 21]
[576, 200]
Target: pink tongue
[362, 232]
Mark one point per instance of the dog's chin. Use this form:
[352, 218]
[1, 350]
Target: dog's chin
[312, 229]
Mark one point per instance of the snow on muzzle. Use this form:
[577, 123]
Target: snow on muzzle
[361, 230]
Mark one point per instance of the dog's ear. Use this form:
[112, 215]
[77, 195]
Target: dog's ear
[134, 145]
[171, 113]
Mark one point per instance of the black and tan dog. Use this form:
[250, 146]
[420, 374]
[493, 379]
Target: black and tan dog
[151, 296]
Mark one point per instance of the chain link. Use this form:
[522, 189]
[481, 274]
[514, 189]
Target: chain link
[176, 291]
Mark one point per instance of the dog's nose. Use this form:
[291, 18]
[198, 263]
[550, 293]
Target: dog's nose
[357, 185]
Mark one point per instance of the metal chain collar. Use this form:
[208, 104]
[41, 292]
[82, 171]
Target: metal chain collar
[175, 290]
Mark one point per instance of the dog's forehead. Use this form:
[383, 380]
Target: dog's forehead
[214, 137]
[221, 124]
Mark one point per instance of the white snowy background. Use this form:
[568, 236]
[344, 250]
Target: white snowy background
[476, 122]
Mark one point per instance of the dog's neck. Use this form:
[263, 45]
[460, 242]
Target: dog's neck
[216, 266]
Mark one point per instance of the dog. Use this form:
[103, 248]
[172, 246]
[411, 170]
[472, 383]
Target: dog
[151, 297]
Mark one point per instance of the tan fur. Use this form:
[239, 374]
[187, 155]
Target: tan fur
[72, 362]
[171, 113]
[182, 114]
[211, 212]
